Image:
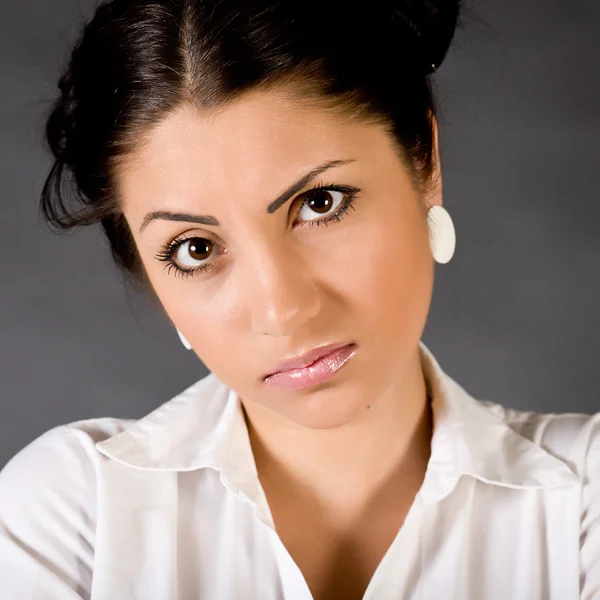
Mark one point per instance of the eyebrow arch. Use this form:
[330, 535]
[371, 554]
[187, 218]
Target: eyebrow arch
[277, 203]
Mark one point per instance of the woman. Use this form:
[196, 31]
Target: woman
[271, 171]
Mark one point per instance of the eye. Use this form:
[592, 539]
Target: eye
[192, 250]
[188, 256]
[320, 202]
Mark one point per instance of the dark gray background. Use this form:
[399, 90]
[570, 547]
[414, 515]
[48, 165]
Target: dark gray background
[514, 315]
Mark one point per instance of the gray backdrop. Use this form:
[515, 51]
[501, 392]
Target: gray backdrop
[514, 315]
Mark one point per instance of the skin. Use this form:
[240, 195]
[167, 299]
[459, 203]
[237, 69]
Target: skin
[279, 287]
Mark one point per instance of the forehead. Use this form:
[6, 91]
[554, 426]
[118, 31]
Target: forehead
[264, 136]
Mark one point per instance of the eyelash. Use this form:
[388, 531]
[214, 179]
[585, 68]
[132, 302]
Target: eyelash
[169, 250]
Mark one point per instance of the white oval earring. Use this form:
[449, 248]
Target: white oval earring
[442, 235]
[186, 344]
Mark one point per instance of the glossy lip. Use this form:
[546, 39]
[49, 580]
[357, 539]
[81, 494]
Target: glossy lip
[307, 358]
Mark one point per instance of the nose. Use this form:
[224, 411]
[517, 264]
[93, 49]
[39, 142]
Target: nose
[280, 290]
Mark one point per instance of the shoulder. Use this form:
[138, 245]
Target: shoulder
[71, 445]
[61, 460]
[571, 437]
[574, 438]
[47, 509]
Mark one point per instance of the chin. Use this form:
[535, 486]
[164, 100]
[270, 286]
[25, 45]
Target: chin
[329, 407]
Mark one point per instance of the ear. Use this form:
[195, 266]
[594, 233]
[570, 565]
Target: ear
[434, 195]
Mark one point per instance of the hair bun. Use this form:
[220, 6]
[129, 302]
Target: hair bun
[61, 121]
[433, 22]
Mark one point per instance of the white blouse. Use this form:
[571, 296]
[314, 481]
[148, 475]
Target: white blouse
[170, 508]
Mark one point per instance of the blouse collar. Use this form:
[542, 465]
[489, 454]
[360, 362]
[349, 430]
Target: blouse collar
[204, 427]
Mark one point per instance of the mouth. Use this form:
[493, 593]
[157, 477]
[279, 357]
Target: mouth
[307, 358]
[318, 371]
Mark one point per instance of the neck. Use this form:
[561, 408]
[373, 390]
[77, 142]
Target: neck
[384, 454]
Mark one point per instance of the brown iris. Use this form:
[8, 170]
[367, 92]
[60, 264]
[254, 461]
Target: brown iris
[200, 248]
[318, 197]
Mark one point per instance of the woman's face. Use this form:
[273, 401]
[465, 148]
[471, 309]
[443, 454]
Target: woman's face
[263, 286]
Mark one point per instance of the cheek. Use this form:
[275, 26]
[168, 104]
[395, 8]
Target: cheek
[390, 277]
[202, 319]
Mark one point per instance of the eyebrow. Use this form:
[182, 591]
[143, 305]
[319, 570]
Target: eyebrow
[166, 215]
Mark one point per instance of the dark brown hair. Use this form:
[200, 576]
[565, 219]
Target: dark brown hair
[136, 60]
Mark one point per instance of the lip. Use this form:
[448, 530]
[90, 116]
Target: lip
[319, 371]
[306, 359]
